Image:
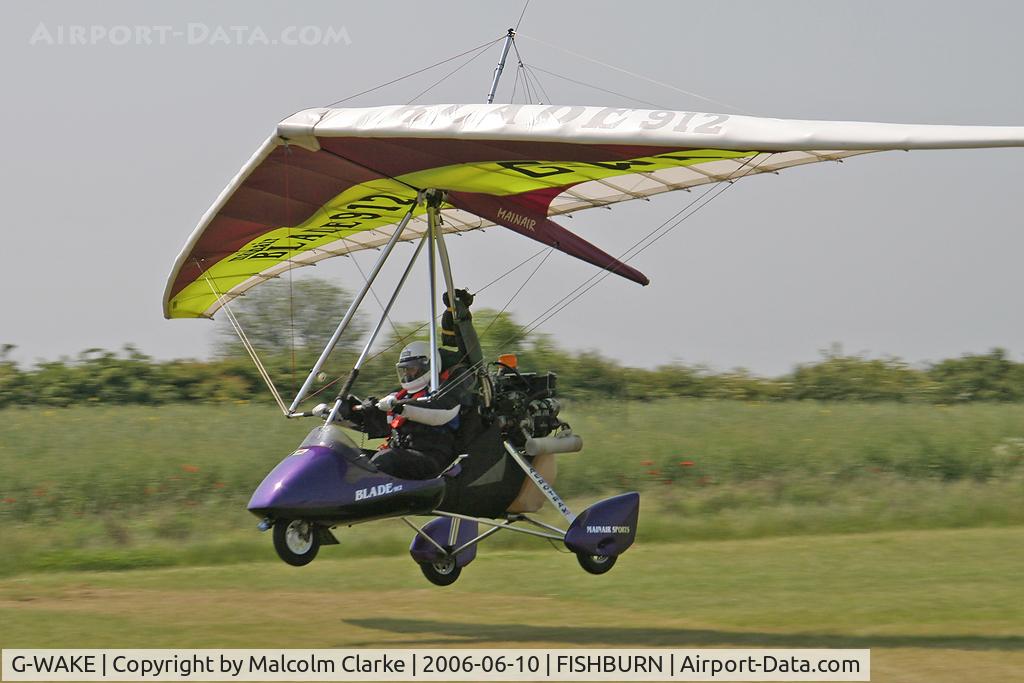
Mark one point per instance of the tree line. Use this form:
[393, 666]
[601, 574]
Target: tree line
[289, 322]
[128, 376]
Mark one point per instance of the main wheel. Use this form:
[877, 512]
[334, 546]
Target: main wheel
[596, 564]
[441, 573]
[295, 541]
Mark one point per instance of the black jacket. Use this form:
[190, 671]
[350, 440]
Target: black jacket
[407, 432]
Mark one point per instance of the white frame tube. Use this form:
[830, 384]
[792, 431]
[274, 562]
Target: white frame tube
[502, 525]
[501, 65]
[376, 330]
[351, 310]
[391, 302]
[435, 371]
[446, 270]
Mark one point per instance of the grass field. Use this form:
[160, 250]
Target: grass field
[116, 488]
[935, 606]
[898, 528]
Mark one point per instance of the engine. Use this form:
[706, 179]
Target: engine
[523, 404]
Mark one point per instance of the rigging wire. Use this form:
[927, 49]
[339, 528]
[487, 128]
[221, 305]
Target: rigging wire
[288, 222]
[531, 96]
[522, 14]
[530, 99]
[246, 344]
[509, 271]
[416, 331]
[451, 73]
[529, 70]
[533, 90]
[351, 256]
[526, 80]
[515, 84]
[526, 74]
[414, 73]
[712, 192]
[516, 293]
[636, 75]
[494, 281]
[597, 87]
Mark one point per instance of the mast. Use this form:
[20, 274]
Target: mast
[501, 65]
[432, 229]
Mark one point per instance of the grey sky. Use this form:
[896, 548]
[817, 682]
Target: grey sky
[114, 152]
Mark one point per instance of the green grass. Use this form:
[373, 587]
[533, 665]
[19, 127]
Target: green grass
[936, 605]
[129, 487]
[732, 441]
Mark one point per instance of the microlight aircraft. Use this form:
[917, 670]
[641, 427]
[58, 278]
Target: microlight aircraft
[334, 181]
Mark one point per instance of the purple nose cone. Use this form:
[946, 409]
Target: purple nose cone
[332, 486]
[606, 528]
[309, 479]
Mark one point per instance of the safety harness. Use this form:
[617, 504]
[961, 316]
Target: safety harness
[397, 421]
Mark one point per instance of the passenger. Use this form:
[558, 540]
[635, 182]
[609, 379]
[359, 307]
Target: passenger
[420, 425]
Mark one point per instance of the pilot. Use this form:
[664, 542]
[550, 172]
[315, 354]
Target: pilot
[420, 425]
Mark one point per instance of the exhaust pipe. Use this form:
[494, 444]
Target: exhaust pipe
[567, 443]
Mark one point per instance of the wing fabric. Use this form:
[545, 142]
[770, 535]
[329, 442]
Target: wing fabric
[337, 181]
[518, 218]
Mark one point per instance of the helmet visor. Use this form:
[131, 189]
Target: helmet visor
[412, 369]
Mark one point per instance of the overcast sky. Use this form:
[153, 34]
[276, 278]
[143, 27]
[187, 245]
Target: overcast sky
[115, 148]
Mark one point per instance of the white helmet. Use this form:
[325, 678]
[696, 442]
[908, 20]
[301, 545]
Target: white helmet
[413, 366]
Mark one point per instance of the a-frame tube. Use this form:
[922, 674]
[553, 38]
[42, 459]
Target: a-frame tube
[391, 302]
[351, 310]
[373, 336]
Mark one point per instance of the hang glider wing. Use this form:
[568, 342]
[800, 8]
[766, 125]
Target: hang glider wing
[335, 181]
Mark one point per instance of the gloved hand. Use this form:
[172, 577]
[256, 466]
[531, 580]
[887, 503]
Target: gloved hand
[461, 295]
[389, 404]
[348, 404]
[463, 300]
[322, 410]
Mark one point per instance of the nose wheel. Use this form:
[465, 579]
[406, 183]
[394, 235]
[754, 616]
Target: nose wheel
[296, 541]
[596, 564]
